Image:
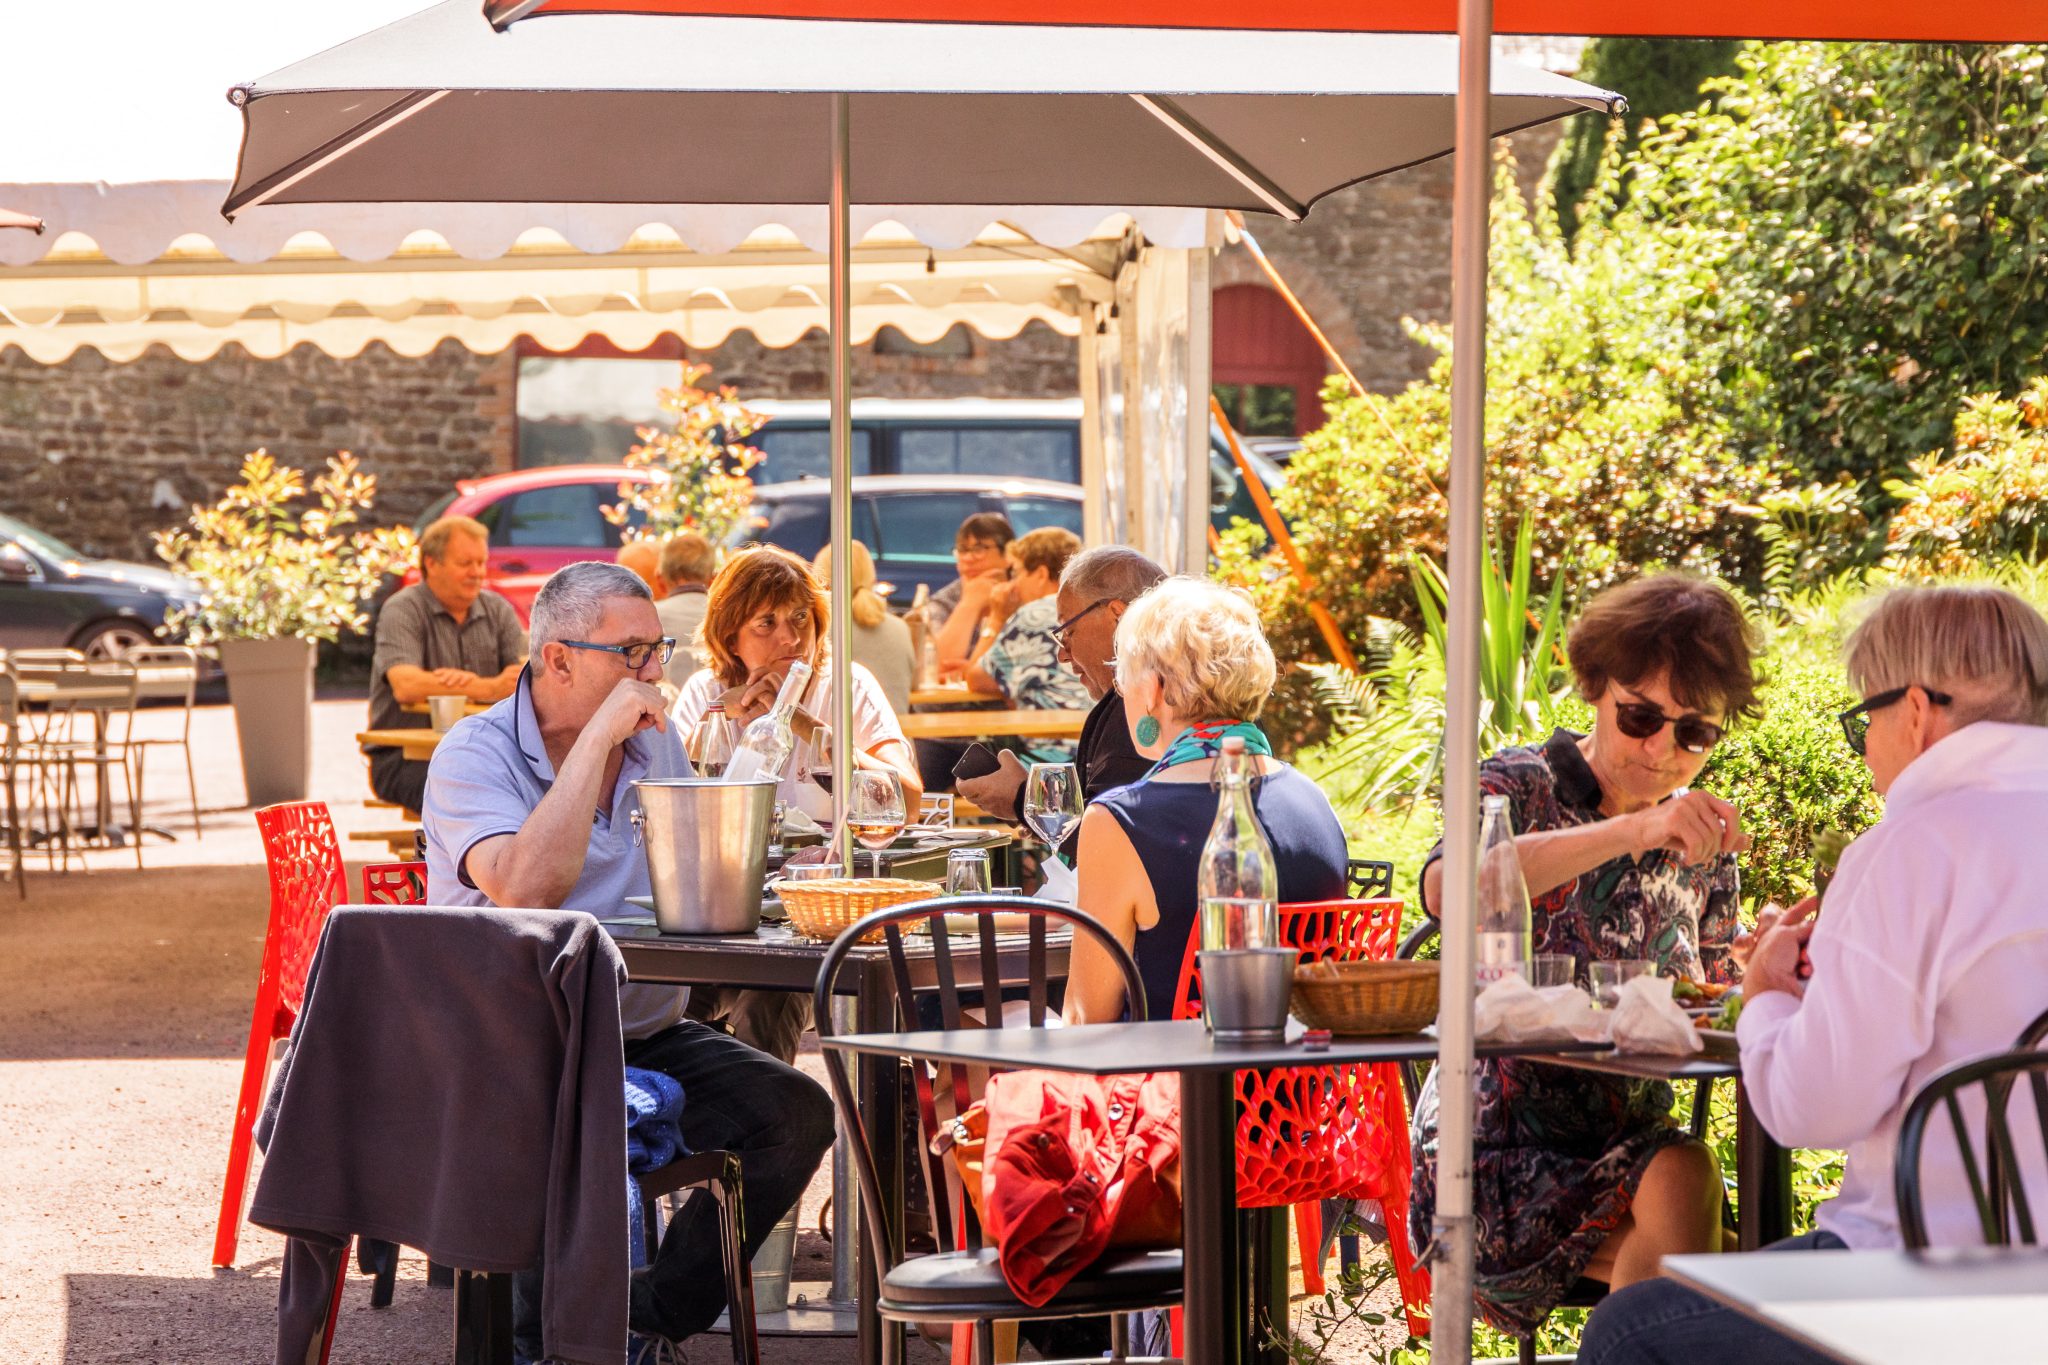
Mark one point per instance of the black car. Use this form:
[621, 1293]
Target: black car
[51, 596]
[908, 522]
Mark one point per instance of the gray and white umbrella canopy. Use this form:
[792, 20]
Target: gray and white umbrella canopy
[657, 109]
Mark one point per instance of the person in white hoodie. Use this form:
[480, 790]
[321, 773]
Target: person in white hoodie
[1933, 948]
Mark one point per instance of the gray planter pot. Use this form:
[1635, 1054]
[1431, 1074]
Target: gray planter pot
[270, 683]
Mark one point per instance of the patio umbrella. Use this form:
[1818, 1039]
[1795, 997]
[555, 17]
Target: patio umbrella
[437, 107]
[1981, 21]
[11, 219]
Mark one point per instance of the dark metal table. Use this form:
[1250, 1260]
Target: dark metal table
[1763, 1169]
[1219, 1322]
[776, 958]
[1888, 1307]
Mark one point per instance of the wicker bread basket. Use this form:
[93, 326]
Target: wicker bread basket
[826, 907]
[1352, 998]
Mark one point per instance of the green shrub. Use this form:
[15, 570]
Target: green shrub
[1983, 501]
[1791, 774]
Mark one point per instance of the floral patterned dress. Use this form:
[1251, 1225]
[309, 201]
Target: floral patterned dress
[1557, 1154]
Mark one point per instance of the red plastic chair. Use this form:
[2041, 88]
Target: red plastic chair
[1306, 1134]
[305, 883]
[395, 884]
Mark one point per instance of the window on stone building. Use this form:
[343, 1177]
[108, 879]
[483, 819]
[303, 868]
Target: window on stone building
[1259, 409]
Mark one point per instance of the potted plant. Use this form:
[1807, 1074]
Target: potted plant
[278, 577]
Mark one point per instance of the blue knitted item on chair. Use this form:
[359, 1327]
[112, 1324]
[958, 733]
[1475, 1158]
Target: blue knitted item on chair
[654, 1137]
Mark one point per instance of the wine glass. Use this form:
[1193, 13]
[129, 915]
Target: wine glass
[1052, 801]
[874, 810]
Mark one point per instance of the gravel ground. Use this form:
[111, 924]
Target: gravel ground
[124, 1008]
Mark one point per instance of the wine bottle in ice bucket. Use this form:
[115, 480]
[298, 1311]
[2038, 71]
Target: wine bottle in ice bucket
[1502, 908]
[1237, 885]
[765, 746]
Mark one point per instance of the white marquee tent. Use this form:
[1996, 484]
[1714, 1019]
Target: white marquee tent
[127, 267]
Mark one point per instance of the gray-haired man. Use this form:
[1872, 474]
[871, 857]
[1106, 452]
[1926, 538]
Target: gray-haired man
[1094, 590]
[527, 805]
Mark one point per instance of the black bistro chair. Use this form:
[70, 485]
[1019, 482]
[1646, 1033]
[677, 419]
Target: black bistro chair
[962, 1281]
[1991, 1163]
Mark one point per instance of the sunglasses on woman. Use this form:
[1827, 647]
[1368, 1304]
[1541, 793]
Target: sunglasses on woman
[1640, 720]
[1856, 720]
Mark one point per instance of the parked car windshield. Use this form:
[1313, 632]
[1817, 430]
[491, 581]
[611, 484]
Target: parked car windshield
[41, 542]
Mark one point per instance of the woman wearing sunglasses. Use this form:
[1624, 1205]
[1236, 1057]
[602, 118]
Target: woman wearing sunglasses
[1576, 1174]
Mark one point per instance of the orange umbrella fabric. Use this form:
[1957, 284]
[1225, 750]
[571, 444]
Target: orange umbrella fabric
[1979, 21]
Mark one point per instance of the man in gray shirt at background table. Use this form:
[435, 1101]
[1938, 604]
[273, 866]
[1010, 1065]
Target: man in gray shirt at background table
[445, 635]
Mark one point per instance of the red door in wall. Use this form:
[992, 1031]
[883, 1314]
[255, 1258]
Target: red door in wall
[1266, 367]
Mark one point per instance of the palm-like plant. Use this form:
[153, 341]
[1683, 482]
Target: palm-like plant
[1390, 718]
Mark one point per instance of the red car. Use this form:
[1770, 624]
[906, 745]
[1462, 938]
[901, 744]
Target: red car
[539, 520]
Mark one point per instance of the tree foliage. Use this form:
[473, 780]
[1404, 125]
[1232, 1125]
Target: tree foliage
[1658, 76]
[1606, 427]
[1877, 218]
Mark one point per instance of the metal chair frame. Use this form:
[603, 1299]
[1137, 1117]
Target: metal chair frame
[1995, 1184]
[944, 1091]
[145, 656]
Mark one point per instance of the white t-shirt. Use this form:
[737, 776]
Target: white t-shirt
[1932, 947]
[874, 724]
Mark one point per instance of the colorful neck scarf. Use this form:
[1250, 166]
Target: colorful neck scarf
[1205, 740]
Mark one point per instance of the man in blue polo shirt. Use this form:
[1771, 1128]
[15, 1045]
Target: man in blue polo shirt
[527, 805]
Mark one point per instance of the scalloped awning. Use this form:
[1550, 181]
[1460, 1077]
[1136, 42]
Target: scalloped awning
[129, 267]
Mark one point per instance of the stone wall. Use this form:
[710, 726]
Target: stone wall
[101, 454]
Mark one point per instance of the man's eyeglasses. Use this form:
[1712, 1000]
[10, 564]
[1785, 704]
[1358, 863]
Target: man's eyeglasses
[1856, 720]
[1061, 631]
[635, 655]
[1640, 720]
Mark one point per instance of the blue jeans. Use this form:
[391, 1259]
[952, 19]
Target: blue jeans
[1661, 1322]
[778, 1121]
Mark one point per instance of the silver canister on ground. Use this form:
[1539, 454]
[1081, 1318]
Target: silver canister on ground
[1246, 991]
[707, 849]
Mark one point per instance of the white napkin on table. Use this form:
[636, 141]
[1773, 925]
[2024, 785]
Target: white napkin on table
[1511, 1010]
[1061, 884]
[1647, 1019]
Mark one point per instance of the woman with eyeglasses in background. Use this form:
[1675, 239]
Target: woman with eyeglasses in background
[1576, 1174]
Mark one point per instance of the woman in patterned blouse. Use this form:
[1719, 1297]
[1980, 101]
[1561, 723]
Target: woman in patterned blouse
[1576, 1174]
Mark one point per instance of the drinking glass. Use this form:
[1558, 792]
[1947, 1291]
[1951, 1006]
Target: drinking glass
[967, 872]
[1552, 969]
[1608, 978]
[1052, 802]
[710, 745]
[874, 811]
[810, 872]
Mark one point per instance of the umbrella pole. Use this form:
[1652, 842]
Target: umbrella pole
[1451, 1301]
[842, 480]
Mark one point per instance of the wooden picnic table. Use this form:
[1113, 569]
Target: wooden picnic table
[950, 694]
[416, 744]
[979, 724]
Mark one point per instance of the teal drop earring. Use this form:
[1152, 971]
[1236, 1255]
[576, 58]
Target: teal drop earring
[1147, 731]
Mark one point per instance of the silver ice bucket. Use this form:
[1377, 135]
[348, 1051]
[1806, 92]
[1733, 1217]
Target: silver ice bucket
[707, 848]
